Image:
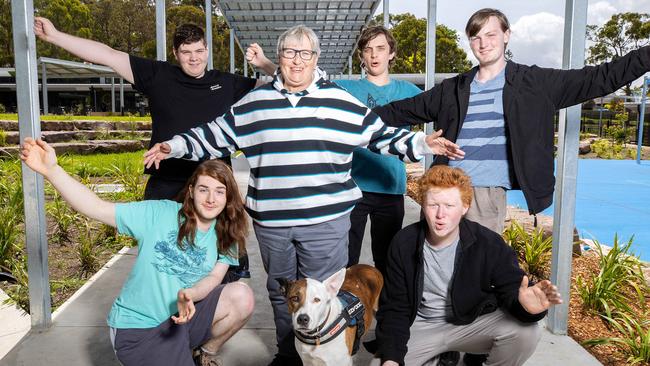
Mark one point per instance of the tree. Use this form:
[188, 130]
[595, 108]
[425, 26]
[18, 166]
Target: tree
[6, 35]
[410, 34]
[621, 34]
[70, 16]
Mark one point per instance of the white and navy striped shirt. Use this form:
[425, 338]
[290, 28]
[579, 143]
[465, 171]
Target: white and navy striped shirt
[299, 147]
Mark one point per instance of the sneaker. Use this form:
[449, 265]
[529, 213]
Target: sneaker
[203, 359]
[474, 360]
[450, 358]
[282, 360]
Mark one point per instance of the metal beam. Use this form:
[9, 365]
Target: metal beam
[208, 32]
[431, 65]
[40, 307]
[575, 28]
[287, 12]
[44, 88]
[232, 51]
[113, 95]
[316, 25]
[386, 13]
[161, 31]
[121, 96]
[644, 98]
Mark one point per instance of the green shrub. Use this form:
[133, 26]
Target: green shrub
[606, 149]
[604, 293]
[63, 216]
[130, 176]
[533, 249]
[635, 339]
[2, 108]
[86, 252]
[3, 137]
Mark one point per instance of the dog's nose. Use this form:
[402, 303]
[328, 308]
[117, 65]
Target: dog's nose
[303, 319]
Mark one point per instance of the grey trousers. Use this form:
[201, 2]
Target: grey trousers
[488, 207]
[507, 340]
[310, 251]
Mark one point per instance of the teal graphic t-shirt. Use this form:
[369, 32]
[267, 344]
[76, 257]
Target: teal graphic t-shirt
[373, 172]
[149, 294]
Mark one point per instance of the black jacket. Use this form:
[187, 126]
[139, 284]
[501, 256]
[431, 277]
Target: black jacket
[531, 96]
[486, 276]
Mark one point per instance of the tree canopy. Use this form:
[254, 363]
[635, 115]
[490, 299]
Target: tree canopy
[621, 34]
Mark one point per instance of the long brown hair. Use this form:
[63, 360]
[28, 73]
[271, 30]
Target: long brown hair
[232, 222]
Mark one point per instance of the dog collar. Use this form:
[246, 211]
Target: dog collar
[351, 315]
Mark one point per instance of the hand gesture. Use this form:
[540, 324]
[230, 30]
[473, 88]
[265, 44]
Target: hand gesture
[156, 154]
[255, 55]
[185, 307]
[44, 29]
[538, 298]
[441, 146]
[38, 155]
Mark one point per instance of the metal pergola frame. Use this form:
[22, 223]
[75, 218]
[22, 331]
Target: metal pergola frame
[28, 109]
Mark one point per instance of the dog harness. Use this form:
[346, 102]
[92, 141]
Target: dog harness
[350, 316]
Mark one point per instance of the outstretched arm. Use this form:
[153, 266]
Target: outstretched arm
[91, 51]
[188, 296]
[41, 158]
[255, 55]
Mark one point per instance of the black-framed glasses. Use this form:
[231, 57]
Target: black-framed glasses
[292, 52]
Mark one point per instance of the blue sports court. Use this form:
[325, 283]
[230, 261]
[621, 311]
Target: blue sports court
[613, 197]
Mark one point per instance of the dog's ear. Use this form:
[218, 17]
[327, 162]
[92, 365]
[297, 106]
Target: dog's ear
[284, 285]
[334, 282]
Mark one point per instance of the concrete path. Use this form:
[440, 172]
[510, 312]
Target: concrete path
[79, 335]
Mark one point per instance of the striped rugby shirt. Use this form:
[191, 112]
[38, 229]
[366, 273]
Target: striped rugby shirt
[483, 136]
[299, 147]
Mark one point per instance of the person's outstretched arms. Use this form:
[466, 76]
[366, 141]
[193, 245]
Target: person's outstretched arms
[41, 158]
[89, 50]
[538, 298]
[188, 296]
[255, 55]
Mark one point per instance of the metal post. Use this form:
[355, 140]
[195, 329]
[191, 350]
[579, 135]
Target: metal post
[44, 88]
[350, 67]
[232, 51]
[245, 66]
[386, 13]
[208, 32]
[121, 96]
[575, 27]
[113, 95]
[639, 140]
[40, 307]
[161, 31]
[431, 65]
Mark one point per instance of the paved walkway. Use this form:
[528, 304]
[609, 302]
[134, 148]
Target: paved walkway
[79, 335]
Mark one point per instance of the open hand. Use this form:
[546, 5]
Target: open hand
[38, 155]
[156, 154]
[539, 297]
[44, 29]
[185, 308]
[441, 146]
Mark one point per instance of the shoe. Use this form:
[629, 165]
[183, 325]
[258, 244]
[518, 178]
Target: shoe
[203, 359]
[450, 358]
[282, 360]
[474, 360]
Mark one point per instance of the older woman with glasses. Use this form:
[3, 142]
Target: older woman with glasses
[298, 134]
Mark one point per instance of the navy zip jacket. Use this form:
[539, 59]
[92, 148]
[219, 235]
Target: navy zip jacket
[486, 277]
[531, 96]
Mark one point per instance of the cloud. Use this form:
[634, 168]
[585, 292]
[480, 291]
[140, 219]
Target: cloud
[600, 12]
[537, 39]
[636, 6]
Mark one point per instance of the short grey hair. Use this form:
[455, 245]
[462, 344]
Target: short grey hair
[298, 32]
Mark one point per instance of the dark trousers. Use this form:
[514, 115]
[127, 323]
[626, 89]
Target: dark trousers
[161, 188]
[386, 213]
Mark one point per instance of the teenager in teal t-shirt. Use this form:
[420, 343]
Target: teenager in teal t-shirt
[382, 179]
[172, 301]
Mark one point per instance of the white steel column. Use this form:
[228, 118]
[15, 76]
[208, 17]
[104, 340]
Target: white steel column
[386, 13]
[232, 51]
[121, 96]
[208, 32]
[644, 98]
[113, 95]
[575, 27]
[40, 307]
[161, 31]
[44, 87]
[431, 65]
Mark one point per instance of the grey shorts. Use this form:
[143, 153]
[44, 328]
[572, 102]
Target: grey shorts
[168, 343]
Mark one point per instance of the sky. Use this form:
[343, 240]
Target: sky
[537, 25]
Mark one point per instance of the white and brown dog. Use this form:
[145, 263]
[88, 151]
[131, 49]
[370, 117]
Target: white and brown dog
[329, 323]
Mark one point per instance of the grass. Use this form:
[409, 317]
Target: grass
[51, 117]
[99, 165]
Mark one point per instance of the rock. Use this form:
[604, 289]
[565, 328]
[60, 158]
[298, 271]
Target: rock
[584, 147]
